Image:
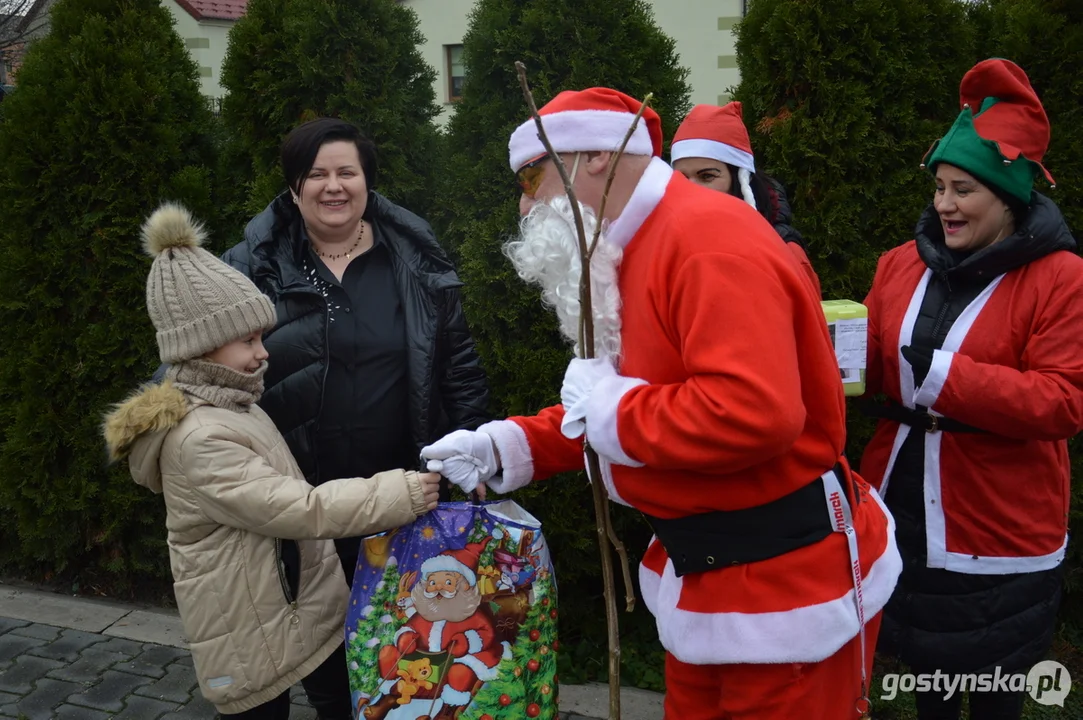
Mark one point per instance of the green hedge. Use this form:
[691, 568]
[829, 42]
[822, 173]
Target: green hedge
[292, 60]
[108, 122]
[842, 100]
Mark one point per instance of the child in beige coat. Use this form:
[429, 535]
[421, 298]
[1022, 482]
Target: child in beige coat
[258, 583]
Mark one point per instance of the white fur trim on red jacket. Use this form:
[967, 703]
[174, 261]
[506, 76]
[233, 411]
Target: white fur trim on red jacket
[516, 462]
[805, 634]
[601, 417]
[645, 198]
[930, 390]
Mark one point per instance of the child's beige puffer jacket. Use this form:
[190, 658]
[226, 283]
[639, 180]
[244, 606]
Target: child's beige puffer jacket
[233, 493]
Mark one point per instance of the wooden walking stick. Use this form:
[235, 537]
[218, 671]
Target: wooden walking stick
[606, 535]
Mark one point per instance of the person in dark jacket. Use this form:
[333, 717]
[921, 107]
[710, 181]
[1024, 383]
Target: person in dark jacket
[974, 337]
[712, 148]
[371, 357]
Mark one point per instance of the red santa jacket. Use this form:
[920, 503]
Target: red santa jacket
[1012, 365]
[806, 266]
[738, 402]
[471, 642]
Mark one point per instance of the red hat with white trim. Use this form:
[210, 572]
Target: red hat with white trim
[463, 561]
[716, 133]
[596, 119]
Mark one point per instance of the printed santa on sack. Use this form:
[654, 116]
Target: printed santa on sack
[447, 615]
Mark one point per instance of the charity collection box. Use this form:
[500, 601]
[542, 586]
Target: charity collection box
[848, 324]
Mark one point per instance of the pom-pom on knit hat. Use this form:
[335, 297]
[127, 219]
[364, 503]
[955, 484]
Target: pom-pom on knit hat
[596, 119]
[1002, 133]
[196, 302]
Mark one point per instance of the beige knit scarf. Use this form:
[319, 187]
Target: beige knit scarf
[217, 384]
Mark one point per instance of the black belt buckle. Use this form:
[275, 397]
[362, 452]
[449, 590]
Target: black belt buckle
[933, 423]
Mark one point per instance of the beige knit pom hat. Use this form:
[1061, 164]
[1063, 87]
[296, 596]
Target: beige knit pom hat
[197, 302]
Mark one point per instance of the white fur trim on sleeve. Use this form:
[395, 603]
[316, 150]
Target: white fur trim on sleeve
[930, 390]
[458, 698]
[516, 461]
[602, 417]
[473, 640]
[712, 150]
[579, 131]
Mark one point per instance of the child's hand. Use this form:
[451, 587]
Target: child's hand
[430, 486]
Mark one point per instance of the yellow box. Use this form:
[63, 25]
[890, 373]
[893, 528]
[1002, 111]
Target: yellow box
[848, 322]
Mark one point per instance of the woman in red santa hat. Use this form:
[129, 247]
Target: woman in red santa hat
[974, 336]
[712, 149]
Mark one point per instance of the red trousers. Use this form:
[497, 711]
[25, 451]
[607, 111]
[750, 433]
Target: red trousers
[827, 690]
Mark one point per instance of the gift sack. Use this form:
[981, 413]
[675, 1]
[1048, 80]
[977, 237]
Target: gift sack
[455, 616]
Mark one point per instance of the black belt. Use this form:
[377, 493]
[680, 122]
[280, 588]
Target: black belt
[913, 417]
[708, 541]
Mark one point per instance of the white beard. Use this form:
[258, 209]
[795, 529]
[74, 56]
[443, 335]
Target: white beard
[546, 253]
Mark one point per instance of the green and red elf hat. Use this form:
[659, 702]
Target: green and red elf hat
[1001, 143]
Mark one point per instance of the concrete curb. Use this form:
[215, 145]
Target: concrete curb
[163, 627]
[104, 617]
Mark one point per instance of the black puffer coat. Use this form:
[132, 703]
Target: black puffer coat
[447, 387]
[939, 619]
[779, 213]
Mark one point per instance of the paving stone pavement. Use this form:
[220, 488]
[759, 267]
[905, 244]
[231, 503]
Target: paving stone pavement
[53, 673]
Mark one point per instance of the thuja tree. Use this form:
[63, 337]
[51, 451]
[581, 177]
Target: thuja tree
[843, 100]
[564, 46]
[292, 60]
[1053, 68]
[107, 123]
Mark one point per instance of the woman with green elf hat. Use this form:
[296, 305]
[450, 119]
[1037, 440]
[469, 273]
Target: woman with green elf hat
[976, 340]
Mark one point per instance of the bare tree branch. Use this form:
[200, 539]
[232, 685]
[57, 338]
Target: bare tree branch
[604, 525]
[14, 28]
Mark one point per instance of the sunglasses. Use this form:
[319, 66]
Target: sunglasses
[530, 175]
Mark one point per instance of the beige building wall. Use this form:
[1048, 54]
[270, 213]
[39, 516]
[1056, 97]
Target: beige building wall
[443, 23]
[206, 42]
[702, 30]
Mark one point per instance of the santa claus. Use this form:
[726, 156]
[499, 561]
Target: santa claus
[448, 621]
[716, 409]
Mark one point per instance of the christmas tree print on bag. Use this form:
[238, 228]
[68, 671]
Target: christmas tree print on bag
[455, 616]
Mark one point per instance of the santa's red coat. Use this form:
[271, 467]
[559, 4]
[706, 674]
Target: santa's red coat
[472, 642]
[742, 403]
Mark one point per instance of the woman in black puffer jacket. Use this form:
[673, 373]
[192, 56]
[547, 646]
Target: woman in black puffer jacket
[371, 358]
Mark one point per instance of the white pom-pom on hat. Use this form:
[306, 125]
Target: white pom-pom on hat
[171, 226]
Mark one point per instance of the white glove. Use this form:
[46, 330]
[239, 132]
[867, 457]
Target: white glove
[464, 457]
[579, 381]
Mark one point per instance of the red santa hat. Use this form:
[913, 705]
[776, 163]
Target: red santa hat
[596, 119]
[463, 561]
[716, 133]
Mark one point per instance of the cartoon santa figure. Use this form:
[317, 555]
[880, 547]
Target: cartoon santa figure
[446, 616]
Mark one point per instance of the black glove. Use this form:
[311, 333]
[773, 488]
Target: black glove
[920, 358]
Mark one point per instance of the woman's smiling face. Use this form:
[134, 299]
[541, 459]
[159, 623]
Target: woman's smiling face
[971, 214]
[334, 194]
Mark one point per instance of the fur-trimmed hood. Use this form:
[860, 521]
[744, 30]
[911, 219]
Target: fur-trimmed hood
[136, 428]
